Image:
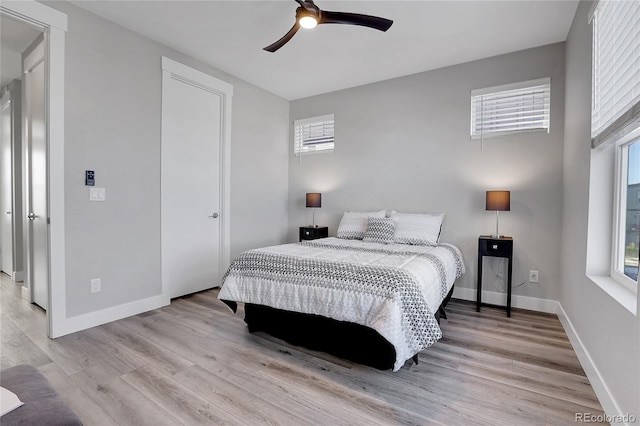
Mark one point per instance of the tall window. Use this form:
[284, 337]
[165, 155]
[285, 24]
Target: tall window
[314, 134]
[628, 215]
[615, 120]
[616, 67]
[510, 108]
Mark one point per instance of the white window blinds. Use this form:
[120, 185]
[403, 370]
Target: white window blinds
[616, 68]
[511, 108]
[314, 134]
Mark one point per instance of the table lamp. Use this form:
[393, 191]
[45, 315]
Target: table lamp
[314, 200]
[500, 201]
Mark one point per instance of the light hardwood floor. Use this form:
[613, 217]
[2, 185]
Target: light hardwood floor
[194, 362]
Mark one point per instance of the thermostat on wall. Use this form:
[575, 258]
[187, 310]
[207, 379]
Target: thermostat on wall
[89, 178]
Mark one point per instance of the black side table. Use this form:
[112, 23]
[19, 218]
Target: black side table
[313, 233]
[495, 247]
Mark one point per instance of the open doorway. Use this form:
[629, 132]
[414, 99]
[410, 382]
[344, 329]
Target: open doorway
[23, 158]
[46, 164]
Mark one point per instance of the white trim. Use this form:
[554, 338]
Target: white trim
[114, 313]
[512, 86]
[36, 13]
[192, 74]
[619, 210]
[592, 11]
[496, 298]
[619, 292]
[598, 384]
[57, 252]
[55, 24]
[175, 69]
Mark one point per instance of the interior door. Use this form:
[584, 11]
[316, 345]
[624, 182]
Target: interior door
[35, 137]
[190, 185]
[6, 171]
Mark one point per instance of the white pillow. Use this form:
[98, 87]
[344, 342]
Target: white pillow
[354, 224]
[417, 228]
[9, 401]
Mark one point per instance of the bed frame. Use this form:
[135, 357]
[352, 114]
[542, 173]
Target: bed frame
[346, 340]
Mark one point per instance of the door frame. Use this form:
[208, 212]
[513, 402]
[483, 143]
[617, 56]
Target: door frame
[225, 90]
[54, 25]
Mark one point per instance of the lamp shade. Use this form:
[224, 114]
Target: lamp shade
[314, 199]
[499, 200]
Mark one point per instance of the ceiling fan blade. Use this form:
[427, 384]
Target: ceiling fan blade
[278, 44]
[307, 4]
[328, 17]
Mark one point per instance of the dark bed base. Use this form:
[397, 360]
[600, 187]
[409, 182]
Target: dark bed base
[346, 340]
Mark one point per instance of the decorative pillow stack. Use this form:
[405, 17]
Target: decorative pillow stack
[354, 224]
[418, 229]
[380, 230]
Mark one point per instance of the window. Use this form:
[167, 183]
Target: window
[616, 67]
[615, 124]
[313, 135]
[627, 218]
[511, 108]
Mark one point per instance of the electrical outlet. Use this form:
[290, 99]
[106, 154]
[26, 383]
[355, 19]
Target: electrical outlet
[533, 276]
[96, 285]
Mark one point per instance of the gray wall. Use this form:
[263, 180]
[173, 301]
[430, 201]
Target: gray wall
[608, 331]
[112, 126]
[404, 144]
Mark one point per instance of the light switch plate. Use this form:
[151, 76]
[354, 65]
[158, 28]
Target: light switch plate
[97, 194]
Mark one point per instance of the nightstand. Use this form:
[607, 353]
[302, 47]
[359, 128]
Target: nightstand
[495, 247]
[313, 233]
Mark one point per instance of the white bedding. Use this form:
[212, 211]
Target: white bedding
[393, 288]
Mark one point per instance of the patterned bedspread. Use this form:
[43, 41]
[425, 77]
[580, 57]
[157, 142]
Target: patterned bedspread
[394, 289]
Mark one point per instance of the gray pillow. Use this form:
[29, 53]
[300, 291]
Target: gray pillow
[354, 224]
[380, 230]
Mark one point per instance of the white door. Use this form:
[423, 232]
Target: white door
[6, 186]
[35, 137]
[192, 132]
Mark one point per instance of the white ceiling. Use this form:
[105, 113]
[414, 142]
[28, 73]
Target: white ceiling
[230, 35]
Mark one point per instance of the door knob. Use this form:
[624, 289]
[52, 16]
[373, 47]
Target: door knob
[7, 212]
[31, 216]
[215, 215]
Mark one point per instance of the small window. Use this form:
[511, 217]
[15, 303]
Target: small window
[627, 232]
[313, 135]
[511, 108]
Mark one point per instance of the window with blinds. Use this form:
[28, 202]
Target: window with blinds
[616, 68]
[511, 108]
[314, 134]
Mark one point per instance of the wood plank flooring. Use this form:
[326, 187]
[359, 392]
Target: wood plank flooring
[194, 362]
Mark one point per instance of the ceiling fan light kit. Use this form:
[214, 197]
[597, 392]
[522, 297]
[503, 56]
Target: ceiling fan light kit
[308, 22]
[308, 15]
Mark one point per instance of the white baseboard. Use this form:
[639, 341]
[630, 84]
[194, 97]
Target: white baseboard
[92, 319]
[609, 404]
[500, 299]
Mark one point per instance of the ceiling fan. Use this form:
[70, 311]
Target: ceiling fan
[308, 15]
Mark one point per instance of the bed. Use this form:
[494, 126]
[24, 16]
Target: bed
[376, 303]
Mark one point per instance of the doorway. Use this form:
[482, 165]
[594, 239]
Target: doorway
[19, 40]
[52, 25]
